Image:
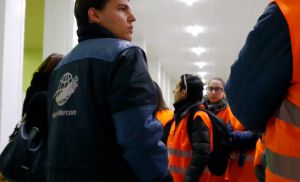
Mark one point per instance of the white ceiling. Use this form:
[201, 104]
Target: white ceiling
[160, 28]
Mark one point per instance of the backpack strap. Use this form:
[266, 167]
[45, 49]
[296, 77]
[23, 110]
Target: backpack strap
[190, 121]
[189, 126]
[166, 131]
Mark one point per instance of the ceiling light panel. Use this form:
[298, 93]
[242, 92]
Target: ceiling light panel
[200, 64]
[198, 50]
[194, 29]
[189, 2]
[202, 74]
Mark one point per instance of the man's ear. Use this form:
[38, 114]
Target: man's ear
[94, 16]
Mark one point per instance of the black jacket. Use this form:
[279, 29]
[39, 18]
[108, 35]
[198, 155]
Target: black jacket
[101, 112]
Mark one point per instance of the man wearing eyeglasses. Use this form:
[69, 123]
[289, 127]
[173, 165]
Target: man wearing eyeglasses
[242, 141]
[189, 147]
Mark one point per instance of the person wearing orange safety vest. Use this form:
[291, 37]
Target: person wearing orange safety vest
[163, 114]
[263, 89]
[243, 142]
[189, 147]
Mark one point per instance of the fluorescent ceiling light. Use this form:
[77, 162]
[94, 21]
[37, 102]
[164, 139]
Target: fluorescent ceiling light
[200, 64]
[189, 2]
[202, 74]
[198, 50]
[194, 29]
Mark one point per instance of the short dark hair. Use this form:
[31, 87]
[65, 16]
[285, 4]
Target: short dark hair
[194, 86]
[81, 9]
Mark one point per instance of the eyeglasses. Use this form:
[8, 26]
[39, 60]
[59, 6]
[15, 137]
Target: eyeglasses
[216, 89]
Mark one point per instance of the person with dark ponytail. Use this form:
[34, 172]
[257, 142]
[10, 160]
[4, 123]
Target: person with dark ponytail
[163, 114]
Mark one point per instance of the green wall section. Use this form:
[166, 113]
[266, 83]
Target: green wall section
[32, 60]
[33, 45]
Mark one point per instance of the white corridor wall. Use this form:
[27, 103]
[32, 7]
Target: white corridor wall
[12, 14]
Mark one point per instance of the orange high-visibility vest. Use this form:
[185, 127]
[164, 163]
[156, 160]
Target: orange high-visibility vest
[243, 173]
[226, 115]
[283, 130]
[164, 116]
[180, 148]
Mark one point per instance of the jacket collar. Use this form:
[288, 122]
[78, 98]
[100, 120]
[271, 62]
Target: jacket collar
[93, 30]
[182, 108]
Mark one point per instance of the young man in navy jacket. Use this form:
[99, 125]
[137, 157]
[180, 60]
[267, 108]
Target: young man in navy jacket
[101, 103]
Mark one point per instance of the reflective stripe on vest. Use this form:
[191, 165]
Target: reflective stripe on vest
[182, 171]
[284, 166]
[236, 155]
[176, 169]
[289, 113]
[282, 145]
[179, 153]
